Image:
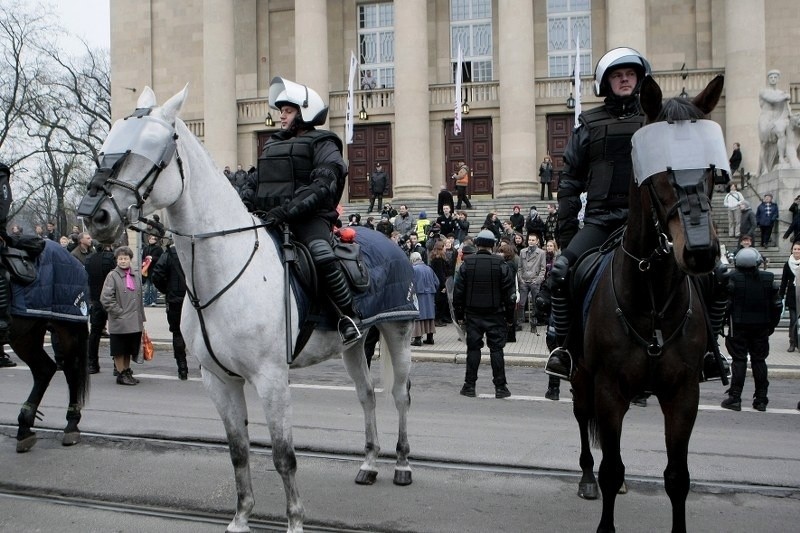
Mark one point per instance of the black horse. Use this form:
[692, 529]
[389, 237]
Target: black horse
[56, 301]
[645, 328]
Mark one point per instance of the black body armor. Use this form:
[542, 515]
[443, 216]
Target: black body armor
[753, 298]
[285, 166]
[610, 167]
[485, 282]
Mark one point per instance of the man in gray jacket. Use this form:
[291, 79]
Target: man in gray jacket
[530, 276]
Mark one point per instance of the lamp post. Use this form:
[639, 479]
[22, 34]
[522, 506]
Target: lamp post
[269, 122]
[362, 115]
[570, 102]
[465, 108]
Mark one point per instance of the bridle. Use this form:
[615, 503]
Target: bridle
[139, 134]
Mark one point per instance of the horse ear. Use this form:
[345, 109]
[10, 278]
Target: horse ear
[708, 99]
[650, 97]
[173, 106]
[147, 99]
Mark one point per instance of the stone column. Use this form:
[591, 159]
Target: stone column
[745, 76]
[219, 82]
[311, 45]
[626, 25]
[518, 165]
[412, 157]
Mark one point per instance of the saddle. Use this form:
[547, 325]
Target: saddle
[348, 253]
[19, 258]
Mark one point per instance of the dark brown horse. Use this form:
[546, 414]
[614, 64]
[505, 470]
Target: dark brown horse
[55, 302]
[646, 328]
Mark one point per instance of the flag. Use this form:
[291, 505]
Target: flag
[348, 119]
[577, 80]
[457, 98]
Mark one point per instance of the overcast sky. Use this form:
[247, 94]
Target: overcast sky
[88, 19]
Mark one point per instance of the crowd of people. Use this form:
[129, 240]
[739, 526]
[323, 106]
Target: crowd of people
[513, 271]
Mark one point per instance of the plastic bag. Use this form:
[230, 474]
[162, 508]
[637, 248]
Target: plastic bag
[147, 347]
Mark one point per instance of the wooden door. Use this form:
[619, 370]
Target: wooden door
[559, 130]
[474, 147]
[371, 143]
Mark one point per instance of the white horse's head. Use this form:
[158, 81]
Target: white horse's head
[137, 170]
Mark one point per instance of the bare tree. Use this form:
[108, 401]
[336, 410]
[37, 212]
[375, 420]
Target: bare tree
[56, 112]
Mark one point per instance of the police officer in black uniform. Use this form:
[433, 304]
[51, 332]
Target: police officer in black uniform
[168, 277]
[755, 310]
[483, 299]
[300, 180]
[5, 287]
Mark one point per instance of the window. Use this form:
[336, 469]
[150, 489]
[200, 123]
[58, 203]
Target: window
[376, 42]
[471, 25]
[566, 20]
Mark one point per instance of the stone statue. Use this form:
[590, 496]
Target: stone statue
[778, 145]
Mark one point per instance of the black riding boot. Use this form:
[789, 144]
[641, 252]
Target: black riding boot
[715, 366]
[560, 362]
[5, 301]
[333, 278]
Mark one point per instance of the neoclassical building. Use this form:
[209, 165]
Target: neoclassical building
[518, 60]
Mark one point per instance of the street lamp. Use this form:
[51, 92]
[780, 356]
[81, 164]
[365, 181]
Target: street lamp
[570, 102]
[465, 108]
[269, 122]
[362, 115]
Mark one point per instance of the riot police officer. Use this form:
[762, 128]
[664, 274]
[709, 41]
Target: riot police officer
[300, 180]
[754, 312]
[483, 299]
[597, 161]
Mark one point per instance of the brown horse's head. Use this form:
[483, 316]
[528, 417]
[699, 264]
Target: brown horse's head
[677, 158]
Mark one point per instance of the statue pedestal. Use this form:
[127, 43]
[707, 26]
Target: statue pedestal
[784, 186]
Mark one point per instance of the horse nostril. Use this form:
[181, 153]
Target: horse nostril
[101, 217]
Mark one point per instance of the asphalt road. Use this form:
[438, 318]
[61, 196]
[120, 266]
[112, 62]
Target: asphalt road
[479, 464]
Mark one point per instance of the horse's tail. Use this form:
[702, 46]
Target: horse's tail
[594, 433]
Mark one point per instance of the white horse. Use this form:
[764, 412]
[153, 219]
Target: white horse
[238, 284]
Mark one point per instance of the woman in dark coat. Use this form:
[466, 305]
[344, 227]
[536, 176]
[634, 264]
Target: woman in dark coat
[426, 285]
[438, 262]
[788, 292]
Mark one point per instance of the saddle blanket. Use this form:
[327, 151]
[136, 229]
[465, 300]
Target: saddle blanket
[390, 294]
[60, 291]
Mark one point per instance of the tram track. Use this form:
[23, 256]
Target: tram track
[646, 482]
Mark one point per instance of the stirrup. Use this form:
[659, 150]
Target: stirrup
[340, 329]
[552, 367]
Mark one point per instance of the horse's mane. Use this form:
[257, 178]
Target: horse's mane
[679, 109]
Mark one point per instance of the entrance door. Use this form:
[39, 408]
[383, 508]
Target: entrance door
[474, 147]
[371, 143]
[559, 129]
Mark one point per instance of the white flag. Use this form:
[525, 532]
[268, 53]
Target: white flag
[577, 78]
[457, 99]
[348, 119]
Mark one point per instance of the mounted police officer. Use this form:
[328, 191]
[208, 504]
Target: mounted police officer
[5, 287]
[754, 311]
[597, 161]
[483, 298]
[300, 180]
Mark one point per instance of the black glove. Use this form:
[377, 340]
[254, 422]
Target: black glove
[276, 216]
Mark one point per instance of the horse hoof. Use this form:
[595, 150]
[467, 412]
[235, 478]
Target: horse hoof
[26, 444]
[402, 477]
[72, 438]
[623, 489]
[366, 477]
[587, 491]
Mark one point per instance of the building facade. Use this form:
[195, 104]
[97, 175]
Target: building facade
[518, 60]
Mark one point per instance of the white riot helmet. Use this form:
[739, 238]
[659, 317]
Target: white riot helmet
[615, 58]
[313, 110]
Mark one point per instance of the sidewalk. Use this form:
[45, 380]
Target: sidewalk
[529, 350]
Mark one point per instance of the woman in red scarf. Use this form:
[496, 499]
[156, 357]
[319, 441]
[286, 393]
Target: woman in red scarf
[122, 299]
